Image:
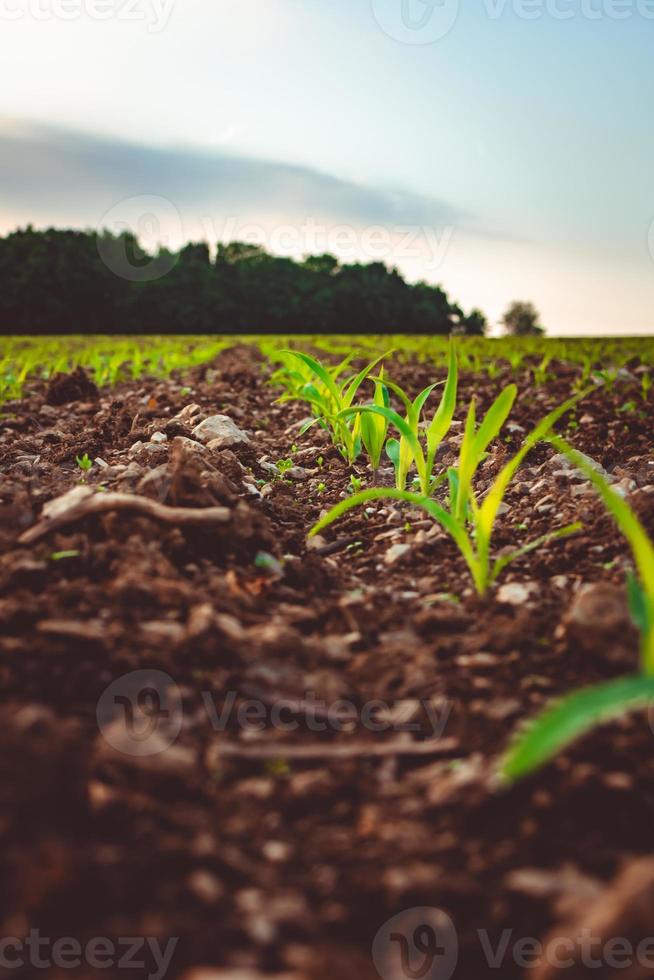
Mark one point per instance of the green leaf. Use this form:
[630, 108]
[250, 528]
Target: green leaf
[495, 496]
[562, 532]
[348, 392]
[393, 452]
[641, 545]
[638, 606]
[442, 420]
[433, 508]
[569, 718]
[320, 372]
[493, 421]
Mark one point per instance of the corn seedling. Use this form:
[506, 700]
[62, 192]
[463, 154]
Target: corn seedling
[329, 398]
[374, 427]
[577, 713]
[414, 447]
[469, 522]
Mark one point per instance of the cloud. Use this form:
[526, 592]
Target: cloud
[73, 179]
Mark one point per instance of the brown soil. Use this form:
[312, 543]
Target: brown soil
[284, 852]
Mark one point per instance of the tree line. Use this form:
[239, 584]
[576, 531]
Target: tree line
[59, 281]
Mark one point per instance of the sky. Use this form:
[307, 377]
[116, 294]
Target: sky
[501, 148]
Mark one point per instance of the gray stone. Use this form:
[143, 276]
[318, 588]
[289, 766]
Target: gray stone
[219, 432]
[396, 552]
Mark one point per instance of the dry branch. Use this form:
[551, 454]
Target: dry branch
[73, 506]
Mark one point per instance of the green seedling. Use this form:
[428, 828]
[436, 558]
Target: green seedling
[374, 428]
[61, 555]
[469, 522]
[415, 447]
[321, 487]
[283, 466]
[579, 712]
[355, 484]
[84, 462]
[329, 398]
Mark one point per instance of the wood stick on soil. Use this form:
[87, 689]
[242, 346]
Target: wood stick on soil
[103, 503]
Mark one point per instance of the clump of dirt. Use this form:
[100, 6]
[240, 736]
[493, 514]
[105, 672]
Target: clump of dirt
[66, 388]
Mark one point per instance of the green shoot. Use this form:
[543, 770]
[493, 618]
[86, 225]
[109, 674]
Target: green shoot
[84, 462]
[469, 523]
[413, 447]
[374, 428]
[641, 590]
[581, 711]
[283, 466]
[355, 484]
[329, 399]
[572, 716]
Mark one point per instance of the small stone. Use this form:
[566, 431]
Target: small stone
[219, 432]
[189, 445]
[206, 886]
[563, 462]
[158, 437]
[188, 412]
[276, 851]
[396, 552]
[513, 593]
[135, 448]
[625, 486]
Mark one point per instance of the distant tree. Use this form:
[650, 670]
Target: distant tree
[522, 320]
[58, 281]
[474, 324]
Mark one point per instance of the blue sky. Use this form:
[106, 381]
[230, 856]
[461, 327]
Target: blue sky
[505, 146]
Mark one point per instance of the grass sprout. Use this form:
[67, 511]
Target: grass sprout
[468, 522]
[579, 712]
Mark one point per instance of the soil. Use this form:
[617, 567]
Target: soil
[276, 849]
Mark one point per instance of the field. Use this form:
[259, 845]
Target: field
[273, 687]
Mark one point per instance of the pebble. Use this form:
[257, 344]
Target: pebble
[562, 461]
[513, 593]
[396, 552]
[189, 412]
[190, 445]
[219, 432]
[206, 886]
[158, 437]
[625, 486]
